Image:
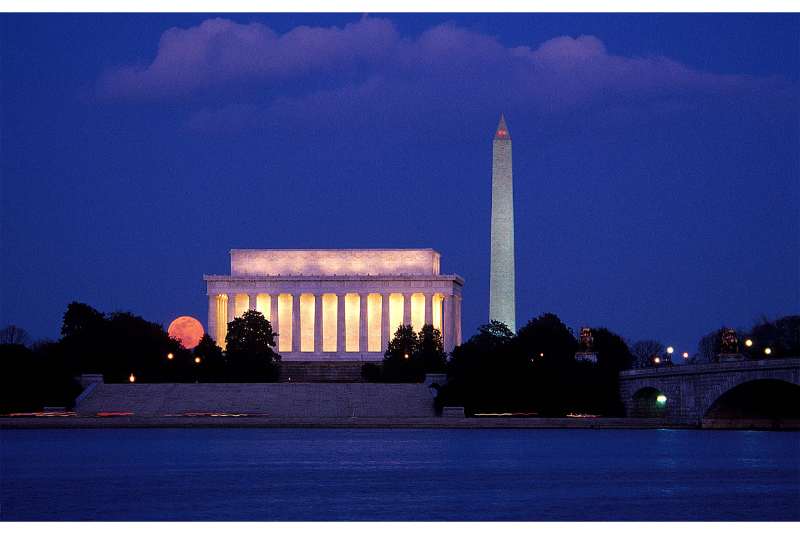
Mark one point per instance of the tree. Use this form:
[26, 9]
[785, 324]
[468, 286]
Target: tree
[482, 372]
[80, 319]
[781, 336]
[249, 353]
[403, 361]
[613, 356]
[644, 351]
[431, 349]
[13, 335]
[212, 362]
[85, 336]
[545, 351]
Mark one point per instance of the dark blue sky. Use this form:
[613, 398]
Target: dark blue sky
[655, 158]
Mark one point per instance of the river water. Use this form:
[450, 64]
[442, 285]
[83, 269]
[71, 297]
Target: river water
[366, 474]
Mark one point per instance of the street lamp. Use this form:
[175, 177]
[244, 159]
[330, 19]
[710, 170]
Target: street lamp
[748, 343]
[685, 355]
[197, 359]
[131, 379]
[768, 351]
[657, 360]
[670, 350]
[170, 356]
[661, 400]
[405, 355]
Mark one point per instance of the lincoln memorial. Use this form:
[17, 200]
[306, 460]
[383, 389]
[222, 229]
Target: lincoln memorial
[337, 304]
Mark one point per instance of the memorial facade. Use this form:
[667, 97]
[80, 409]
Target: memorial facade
[342, 304]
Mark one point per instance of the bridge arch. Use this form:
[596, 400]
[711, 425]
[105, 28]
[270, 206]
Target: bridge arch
[762, 398]
[648, 402]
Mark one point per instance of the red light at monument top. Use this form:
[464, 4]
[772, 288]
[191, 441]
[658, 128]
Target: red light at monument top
[187, 330]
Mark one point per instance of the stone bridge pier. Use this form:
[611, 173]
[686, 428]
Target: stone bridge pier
[691, 393]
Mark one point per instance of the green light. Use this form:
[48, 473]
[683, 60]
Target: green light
[661, 399]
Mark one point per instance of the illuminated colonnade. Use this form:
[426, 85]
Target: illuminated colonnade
[367, 328]
[324, 316]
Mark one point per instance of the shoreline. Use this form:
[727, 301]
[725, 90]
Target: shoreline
[381, 422]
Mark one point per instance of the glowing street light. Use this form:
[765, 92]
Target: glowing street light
[131, 379]
[661, 400]
[197, 359]
[685, 355]
[657, 360]
[170, 356]
[541, 354]
[768, 351]
[670, 350]
[748, 342]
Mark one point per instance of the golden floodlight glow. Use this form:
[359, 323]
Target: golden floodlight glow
[374, 315]
[241, 303]
[670, 350]
[330, 303]
[170, 356]
[436, 311]
[263, 302]
[197, 359]
[417, 311]
[768, 351]
[352, 302]
[405, 355]
[657, 359]
[285, 322]
[395, 313]
[307, 301]
[748, 342]
[222, 319]
[131, 379]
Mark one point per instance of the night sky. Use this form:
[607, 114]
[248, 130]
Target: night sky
[655, 158]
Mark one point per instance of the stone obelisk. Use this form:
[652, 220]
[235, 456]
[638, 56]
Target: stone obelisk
[501, 283]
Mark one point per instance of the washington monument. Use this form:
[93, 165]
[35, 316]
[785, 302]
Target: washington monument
[501, 283]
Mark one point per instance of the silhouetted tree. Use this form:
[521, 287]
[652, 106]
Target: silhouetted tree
[14, 335]
[781, 336]
[33, 379]
[431, 349]
[613, 356]
[644, 351]
[212, 366]
[402, 361]
[84, 335]
[482, 372]
[548, 346]
[249, 349]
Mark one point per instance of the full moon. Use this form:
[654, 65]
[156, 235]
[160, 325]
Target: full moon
[187, 330]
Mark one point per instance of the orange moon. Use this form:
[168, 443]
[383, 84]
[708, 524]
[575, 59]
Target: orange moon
[187, 330]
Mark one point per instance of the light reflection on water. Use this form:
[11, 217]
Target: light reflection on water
[374, 474]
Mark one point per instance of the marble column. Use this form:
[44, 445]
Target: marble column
[273, 312]
[231, 306]
[386, 333]
[406, 308]
[252, 298]
[428, 308]
[448, 323]
[363, 323]
[341, 330]
[296, 322]
[457, 324]
[318, 323]
[212, 316]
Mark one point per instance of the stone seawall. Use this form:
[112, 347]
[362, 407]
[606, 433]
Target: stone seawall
[361, 400]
